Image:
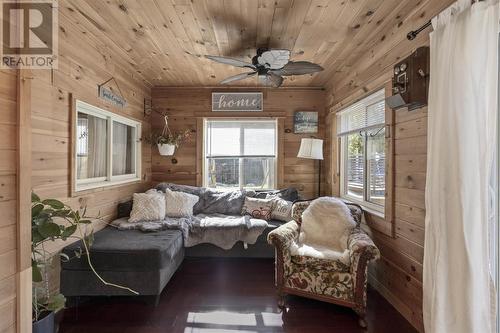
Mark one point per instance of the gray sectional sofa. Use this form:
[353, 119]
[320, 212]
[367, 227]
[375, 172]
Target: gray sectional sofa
[145, 262]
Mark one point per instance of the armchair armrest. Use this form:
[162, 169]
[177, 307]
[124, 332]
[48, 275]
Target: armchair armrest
[363, 250]
[282, 238]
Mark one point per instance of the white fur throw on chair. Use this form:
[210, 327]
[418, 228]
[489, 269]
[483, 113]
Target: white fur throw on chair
[325, 229]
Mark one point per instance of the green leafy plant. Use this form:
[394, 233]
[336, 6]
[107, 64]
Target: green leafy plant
[168, 138]
[52, 220]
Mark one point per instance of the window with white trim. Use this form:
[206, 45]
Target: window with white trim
[361, 128]
[107, 148]
[240, 153]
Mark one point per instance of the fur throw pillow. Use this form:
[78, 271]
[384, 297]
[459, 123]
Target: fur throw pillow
[179, 204]
[147, 207]
[325, 229]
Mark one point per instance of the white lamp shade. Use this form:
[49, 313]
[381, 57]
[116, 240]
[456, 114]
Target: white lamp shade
[311, 148]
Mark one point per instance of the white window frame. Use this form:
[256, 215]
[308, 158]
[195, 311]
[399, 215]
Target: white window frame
[109, 179]
[250, 120]
[371, 207]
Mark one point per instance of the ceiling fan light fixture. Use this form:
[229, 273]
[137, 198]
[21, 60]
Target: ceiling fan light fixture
[269, 65]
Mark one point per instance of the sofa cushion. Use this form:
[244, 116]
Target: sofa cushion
[282, 210]
[212, 201]
[258, 208]
[124, 209]
[179, 204]
[288, 194]
[128, 250]
[148, 207]
[198, 191]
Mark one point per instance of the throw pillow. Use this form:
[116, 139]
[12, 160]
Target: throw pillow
[147, 207]
[282, 210]
[258, 208]
[179, 204]
[289, 194]
[124, 209]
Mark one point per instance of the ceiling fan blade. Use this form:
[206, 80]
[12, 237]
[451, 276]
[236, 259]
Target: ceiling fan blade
[237, 77]
[275, 79]
[230, 61]
[298, 68]
[270, 80]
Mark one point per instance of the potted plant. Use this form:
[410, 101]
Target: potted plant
[52, 220]
[167, 142]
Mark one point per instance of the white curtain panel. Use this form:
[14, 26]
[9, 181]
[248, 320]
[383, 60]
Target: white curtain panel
[120, 140]
[97, 133]
[462, 118]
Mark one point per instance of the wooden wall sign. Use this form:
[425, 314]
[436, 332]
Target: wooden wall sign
[109, 96]
[244, 102]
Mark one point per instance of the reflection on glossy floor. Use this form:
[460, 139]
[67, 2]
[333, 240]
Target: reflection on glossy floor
[225, 296]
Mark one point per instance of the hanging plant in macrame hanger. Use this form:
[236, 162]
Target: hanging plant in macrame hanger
[167, 142]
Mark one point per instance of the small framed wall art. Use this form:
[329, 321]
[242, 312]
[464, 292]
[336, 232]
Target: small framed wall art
[305, 122]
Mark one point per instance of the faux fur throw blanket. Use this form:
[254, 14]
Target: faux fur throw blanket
[221, 230]
[325, 229]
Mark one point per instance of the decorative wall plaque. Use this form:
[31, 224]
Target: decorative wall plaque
[241, 102]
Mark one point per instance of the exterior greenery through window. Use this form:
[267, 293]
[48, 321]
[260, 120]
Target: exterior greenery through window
[240, 153]
[106, 148]
[361, 128]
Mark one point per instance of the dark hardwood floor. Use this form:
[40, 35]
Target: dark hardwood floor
[225, 296]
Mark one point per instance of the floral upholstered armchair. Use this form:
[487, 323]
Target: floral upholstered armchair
[323, 279]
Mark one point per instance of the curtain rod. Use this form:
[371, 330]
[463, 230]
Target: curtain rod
[413, 34]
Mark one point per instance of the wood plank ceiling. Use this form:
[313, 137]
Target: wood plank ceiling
[165, 40]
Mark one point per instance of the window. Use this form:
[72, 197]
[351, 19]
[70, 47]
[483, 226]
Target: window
[240, 154]
[106, 148]
[361, 128]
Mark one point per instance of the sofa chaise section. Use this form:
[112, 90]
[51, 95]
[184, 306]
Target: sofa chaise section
[144, 262]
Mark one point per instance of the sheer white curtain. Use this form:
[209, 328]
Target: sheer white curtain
[97, 154]
[120, 148]
[461, 144]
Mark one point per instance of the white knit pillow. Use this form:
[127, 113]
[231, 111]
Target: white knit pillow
[147, 207]
[179, 204]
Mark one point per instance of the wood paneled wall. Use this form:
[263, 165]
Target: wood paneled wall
[83, 64]
[398, 275]
[8, 201]
[188, 106]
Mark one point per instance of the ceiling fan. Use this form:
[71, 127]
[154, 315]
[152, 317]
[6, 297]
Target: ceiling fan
[270, 65]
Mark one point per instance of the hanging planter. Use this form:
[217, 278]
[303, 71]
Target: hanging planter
[45, 324]
[167, 142]
[166, 149]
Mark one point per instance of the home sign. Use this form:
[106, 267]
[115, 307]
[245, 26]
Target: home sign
[245, 101]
